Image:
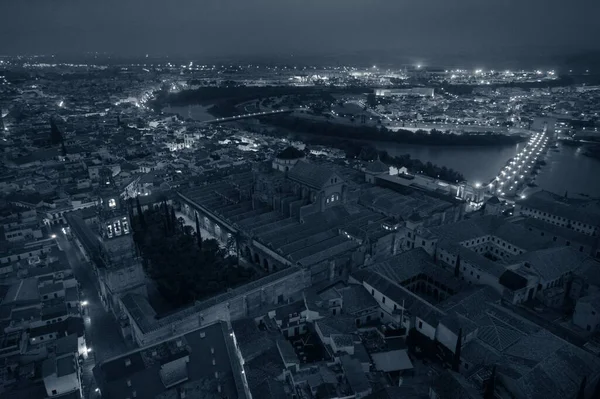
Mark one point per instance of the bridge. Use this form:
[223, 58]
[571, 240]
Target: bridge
[252, 115]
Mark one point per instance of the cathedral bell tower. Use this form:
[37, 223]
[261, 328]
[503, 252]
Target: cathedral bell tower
[115, 229]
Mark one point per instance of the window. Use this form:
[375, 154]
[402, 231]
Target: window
[420, 324]
[373, 292]
[54, 392]
[568, 243]
[383, 300]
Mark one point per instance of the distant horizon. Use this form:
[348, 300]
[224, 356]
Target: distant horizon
[384, 59]
[538, 33]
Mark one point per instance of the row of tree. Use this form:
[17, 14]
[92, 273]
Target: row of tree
[380, 133]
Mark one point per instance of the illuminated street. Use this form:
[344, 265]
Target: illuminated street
[101, 328]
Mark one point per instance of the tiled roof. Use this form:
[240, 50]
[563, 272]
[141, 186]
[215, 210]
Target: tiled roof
[545, 202]
[286, 350]
[355, 375]
[355, 299]
[558, 231]
[140, 370]
[415, 305]
[336, 325]
[449, 385]
[490, 225]
[377, 167]
[315, 176]
[553, 263]
[549, 367]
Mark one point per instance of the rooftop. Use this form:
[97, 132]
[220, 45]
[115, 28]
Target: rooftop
[24, 291]
[555, 205]
[203, 356]
[311, 175]
[553, 263]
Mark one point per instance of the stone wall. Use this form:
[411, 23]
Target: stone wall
[247, 304]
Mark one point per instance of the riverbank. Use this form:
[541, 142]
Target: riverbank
[380, 133]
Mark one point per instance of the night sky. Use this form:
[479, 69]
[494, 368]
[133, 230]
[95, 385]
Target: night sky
[416, 28]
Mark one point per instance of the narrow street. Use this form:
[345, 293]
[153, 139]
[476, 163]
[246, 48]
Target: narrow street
[102, 332]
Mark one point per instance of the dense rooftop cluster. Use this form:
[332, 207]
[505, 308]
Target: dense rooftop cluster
[365, 280]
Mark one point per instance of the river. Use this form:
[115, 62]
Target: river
[477, 164]
[196, 112]
[567, 169]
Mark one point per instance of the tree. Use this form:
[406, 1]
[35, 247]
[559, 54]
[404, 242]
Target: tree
[173, 219]
[55, 134]
[456, 360]
[140, 213]
[490, 387]
[597, 390]
[198, 234]
[581, 393]
[371, 100]
[457, 267]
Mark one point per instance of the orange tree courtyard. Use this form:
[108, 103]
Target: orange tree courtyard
[185, 267]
